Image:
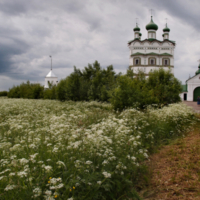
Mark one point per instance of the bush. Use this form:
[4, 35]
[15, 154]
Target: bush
[137, 91]
[131, 92]
[92, 83]
[26, 90]
[165, 87]
[3, 93]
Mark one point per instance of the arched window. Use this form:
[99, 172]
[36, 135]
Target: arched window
[166, 62]
[152, 61]
[137, 61]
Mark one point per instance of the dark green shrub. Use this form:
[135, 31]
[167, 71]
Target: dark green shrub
[92, 83]
[137, 91]
[26, 90]
[3, 93]
[165, 87]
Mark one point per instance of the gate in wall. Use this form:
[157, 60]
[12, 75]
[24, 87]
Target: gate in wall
[196, 93]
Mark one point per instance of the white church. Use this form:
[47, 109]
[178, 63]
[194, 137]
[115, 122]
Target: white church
[191, 90]
[150, 54]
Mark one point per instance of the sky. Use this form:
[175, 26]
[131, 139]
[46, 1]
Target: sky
[77, 32]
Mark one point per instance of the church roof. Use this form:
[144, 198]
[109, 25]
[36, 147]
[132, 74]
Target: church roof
[166, 29]
[198, 71]
[184, 88]
[136, 28]
[51, 74]
[152, 25]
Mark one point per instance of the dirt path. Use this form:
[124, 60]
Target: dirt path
[176, 170]
[193, 105]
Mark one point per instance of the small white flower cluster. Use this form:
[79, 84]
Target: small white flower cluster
[47, 168]
[106, 174]
[55, 183]
[37, 192]
[10, 187]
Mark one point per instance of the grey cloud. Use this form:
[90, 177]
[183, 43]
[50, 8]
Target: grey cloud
[78, 32]
[186, 11]
[16, 47]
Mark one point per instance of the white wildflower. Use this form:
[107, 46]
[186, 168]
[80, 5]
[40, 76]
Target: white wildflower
[10, 187]
[22, 174]
[37, 192]
[48, 192]
[88, 162]
[48, 168]
[23, 161]
[2, 177]
[106, 174]
[60, 186]
[61, 163]
[99, 182]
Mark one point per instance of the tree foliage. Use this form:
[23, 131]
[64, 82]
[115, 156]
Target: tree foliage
[26, 90]
[161, 87]
[96, 83]
[92, 83]
[3, 93]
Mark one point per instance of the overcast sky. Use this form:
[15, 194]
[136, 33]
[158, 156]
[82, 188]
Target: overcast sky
[78, 32]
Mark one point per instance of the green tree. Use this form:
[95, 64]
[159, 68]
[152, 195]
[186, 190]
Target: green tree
[92, 83]
[136, 90]
[164, 86]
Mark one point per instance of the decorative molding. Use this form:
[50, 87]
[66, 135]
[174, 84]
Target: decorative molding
[169, 66]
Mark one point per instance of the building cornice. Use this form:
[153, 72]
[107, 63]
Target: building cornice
[151, 53]
[151, 41]
[159, 66]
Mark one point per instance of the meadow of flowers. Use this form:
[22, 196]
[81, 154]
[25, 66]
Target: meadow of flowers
[80, 150]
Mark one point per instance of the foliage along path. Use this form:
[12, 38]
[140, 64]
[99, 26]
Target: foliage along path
[176, 170]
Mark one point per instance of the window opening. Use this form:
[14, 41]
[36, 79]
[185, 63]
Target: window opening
[152, 61]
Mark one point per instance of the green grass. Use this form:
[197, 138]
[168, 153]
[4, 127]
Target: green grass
[80, 150]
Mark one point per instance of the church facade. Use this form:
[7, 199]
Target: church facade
[150, 54]
[191, 90]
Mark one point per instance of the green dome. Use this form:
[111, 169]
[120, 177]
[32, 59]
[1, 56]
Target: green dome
[136, 28]
[151, 25]
[198, 71]
[166, 29]
[140, 34]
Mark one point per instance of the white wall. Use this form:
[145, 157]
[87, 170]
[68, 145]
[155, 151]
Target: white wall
[52, 80]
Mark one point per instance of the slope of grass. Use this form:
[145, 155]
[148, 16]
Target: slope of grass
[80, 150]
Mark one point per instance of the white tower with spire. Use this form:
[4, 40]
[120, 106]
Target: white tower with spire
[50, 79]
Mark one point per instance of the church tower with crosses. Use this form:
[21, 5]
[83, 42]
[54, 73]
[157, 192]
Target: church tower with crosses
[150, 54]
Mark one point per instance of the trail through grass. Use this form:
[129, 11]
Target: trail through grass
[175, 169]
